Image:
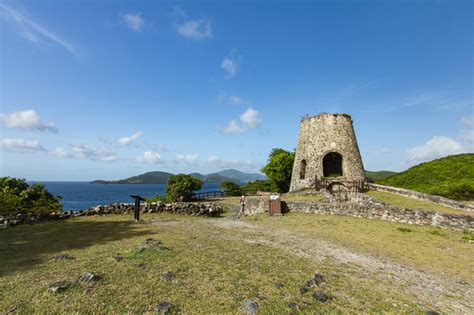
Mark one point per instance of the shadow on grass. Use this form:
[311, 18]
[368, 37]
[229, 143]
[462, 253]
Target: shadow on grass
[25, 246]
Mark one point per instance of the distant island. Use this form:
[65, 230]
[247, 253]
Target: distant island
[158, 177]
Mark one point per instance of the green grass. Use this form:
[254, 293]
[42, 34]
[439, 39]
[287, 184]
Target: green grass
[406, 202]
[378, 175]
[451, 177]
[215, 268]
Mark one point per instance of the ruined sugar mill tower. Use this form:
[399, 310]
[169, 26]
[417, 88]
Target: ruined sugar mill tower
[327, 150]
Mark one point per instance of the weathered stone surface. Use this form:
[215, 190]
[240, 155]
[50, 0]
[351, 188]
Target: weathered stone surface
[303, 290]
[59, 286]
[164, 307]
[167, 276]
[89, 276]
[249, 307]
[293, 306]
[151, 243]
[321, 297]
[318, 136]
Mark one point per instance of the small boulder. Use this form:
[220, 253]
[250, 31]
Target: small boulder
[59, 286]
[141, 266]
[293, 306]
[303, 290]
[249, 307]
[167, 276]
[320, 297]
[119, 257]
[431, 312]
[89, 276]
[278, 285]
[164, 307]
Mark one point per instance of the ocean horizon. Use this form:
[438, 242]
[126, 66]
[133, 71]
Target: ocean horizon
[80, 195]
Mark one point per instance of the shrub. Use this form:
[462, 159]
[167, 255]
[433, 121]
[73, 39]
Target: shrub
[279, 168]
[17, 196]
[259, 185]
[182, 186]
[231, 188]
[404, 230]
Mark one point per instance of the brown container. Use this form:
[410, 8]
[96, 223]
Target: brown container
[275, 206]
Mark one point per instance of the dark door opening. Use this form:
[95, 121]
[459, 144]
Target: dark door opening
[303, 169]
[332, 165]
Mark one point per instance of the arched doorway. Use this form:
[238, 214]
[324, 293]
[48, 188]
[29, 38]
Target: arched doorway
[332, 165]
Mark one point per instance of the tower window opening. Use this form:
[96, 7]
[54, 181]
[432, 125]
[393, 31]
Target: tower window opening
[303, 169]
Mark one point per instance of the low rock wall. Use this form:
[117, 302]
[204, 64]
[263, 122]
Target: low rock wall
[184, 208]
[422, 196]
[364, 206]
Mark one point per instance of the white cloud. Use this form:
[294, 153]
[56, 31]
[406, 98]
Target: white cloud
[130, 139]
[21, 144]
[60, 152]
[231, 64]
[150, 157]
[84, 152]
[26, 120]
[249, 119]
[134, 21]
[224, 98]
[186, 158]
[195, 29]
[433, 149]
[31, 30]
[236, 100]
[467, 121]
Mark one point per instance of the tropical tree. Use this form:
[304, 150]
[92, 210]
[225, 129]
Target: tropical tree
[279, 168]
[231, 188]
[182, 186]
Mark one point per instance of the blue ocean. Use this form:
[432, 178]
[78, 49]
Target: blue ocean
[82, 195]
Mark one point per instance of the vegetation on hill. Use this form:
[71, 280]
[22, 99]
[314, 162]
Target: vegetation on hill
[231, 188]
[450, 177]
[17, 196]
[158, 177]
[378, 175]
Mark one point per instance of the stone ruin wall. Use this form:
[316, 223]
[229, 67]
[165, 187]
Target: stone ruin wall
[320, 135]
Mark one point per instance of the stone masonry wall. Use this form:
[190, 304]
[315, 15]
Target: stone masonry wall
[364, 206]
[422, 196]
[184, 208]
[320, 135]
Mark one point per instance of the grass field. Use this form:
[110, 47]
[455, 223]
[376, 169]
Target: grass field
[406, 202]
[218, 263]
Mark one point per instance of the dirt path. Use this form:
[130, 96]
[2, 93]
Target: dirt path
[431, 290]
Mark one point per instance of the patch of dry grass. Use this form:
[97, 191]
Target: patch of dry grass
[406, 202]
[214, 270]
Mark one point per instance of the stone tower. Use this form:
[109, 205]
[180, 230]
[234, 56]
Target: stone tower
[327, 148]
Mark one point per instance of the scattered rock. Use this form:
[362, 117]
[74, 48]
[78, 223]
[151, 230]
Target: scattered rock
[90, 276]
[141, 266]
[151, 243]
[318, 278]
[303, 290]
[119, 257]
[249, 307]
[167, 276]
[431, 312]
[63, 258]
[293, 306]
[164, 307]
[59, 286]
[278, 285]
[261, 297]
[321, 297]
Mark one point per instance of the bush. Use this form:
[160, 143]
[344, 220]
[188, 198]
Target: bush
[231, 188]
[182, 186]
[259, 185]
[17, 196]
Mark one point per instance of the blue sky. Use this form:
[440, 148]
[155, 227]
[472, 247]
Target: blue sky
[110, 89]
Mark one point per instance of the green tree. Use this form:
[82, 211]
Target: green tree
[17, 196]
[182, 185]
[279, 168]
[231, 188]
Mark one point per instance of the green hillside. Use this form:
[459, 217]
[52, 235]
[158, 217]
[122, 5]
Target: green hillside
[379, 175]
[450, 177]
